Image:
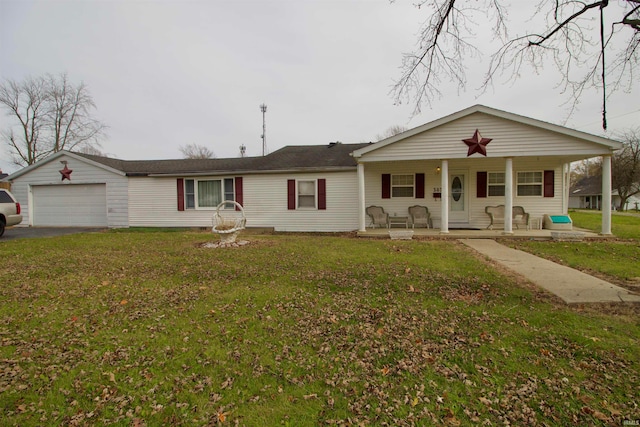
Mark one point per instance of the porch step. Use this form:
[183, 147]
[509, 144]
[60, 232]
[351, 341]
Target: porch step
[401, 234]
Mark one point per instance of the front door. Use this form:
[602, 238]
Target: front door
[458, 199]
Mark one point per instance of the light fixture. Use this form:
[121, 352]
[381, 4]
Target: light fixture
[438, 170]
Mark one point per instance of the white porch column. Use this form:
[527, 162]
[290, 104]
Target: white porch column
[444, 200]
[362, 217]
[566, 184]
[606, 195]
[508, 195]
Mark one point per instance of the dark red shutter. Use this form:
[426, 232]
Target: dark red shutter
[419, 186]
[322, 194]
[481, 184]
[291, 194]
[180, 194]
[548, 183]
[238, 188]
[386, 186]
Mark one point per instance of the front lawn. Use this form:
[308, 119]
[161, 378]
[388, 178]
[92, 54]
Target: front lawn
[149, 329]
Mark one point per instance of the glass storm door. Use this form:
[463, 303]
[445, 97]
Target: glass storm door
[458, 211]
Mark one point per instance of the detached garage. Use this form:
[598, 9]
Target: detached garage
[75, 205]
[70, 190]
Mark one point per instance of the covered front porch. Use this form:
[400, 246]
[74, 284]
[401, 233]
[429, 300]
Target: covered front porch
[464, 165]
[435, 233]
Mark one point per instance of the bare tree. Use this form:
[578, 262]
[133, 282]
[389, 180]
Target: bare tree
[51, 114]
[70, 115]
[586, 168]
[391, 131]
[574, 36]
[196, 151]
[27, 102]
[625, 167]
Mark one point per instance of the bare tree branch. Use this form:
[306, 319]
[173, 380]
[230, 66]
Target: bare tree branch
[196, 151]
[570, 40]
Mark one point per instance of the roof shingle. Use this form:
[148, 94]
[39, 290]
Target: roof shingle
[290, 158]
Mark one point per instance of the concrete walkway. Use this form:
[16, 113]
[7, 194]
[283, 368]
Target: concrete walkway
[572, 286]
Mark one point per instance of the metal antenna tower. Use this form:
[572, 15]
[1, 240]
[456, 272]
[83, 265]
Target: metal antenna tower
[243, 150]
[263, 108]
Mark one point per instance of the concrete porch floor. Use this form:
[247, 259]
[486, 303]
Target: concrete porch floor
[434, 233]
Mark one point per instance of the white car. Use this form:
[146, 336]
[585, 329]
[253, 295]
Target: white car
[9, 210]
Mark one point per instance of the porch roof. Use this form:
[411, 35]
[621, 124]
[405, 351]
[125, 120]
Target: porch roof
[511, 135]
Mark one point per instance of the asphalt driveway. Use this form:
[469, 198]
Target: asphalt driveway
[13, 233]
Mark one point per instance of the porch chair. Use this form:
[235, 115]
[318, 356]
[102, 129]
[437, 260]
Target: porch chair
[420, 216]
[378, 216]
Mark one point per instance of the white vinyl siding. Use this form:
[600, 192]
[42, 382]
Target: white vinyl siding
[509, 139]
[154, 203]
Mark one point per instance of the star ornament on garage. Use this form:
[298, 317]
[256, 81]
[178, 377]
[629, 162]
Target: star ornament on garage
[66, 173]
[477, 144]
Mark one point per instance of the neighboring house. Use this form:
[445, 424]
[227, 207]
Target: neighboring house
[587, 194]
[456, 166]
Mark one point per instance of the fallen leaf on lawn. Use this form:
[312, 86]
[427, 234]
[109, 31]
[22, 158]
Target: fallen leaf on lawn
[123, 302]
[587, 410]
[385, 371]
[485, 401]
[310, 396]
[599, 415]
[222, 416]
[227, 383]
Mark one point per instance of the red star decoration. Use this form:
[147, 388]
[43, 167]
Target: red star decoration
[477, 144]
[66, 173]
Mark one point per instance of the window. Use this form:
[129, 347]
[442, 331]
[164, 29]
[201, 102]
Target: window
[190, 194]
[306, 194]
[402, 185]
[208, 194]
[495, 183]
[529, 183]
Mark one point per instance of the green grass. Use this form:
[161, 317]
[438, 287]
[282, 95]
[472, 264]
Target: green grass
[616, 259]
[623, 226]
[149, 328]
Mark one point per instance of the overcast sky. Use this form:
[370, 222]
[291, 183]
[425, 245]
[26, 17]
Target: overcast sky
[169, 73]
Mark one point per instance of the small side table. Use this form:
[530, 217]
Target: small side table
[535, 223]
[399, 220]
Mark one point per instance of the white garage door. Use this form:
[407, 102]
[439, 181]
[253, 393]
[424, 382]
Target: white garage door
[74, 205]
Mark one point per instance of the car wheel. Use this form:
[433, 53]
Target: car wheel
[1, 228]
